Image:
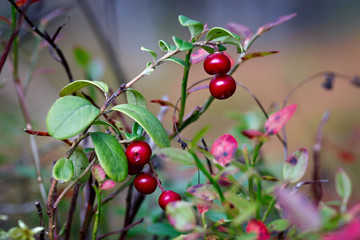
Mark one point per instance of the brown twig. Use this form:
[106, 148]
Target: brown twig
[88, 210]
[51, 209]
[45, 134]
[42, 233]
[72, 211]
[125, 229]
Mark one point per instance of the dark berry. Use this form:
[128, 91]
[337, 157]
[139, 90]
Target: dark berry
[138, 153]
[222, 86]
[134, 169]
[145, 183]
[217, 63]
[168, 197]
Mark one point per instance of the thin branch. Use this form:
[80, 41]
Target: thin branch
[72, 211]
[42, 233]
[45, 134]
[125, 229]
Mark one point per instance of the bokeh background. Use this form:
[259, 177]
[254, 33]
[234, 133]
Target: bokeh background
[324, 36]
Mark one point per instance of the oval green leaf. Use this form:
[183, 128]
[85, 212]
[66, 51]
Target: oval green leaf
[181, 215]
[135, 97]
[69, 116]
[225, 36]
[178, 61]
[80, 162]
[153, 54]
[111, 155]
[181, 44]
[194, 26]
[63, 170]
[79, 84]
[295, 165]
[148, 121]
[176, 155]
[99, 122]
[343, 184]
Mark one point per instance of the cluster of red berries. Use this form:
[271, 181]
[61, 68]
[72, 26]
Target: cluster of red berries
[138, 154]
[222, 86]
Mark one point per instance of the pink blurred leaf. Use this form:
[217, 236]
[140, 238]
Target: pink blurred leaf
[98, 173]
[163, 103]
[258, 227]
[224, 149]
[258, 54]
[181, 216]
[278, 120]
[198, 88]
[346, 156]
[239, 29]
[253, 133]
[349, 232]
[198, 56]
[275, 23]
[203, 191]
[295, 165]
[40, 71]
[107, 185]
[21, 3]
[203, 205]
[299, 209]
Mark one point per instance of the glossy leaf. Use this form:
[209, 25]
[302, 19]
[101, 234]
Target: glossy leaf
[166, 47]
[176, 155]
[343, 184]
[153, 54]
[135, 97]
[299, 209]
[224, 36]
[181, 216]
[257, 54]
[82, 56]
[278, 120]
[79, 84]
[111, 155]
[203, 191]
[80, 162]
[69, 116]
[258, 227]
[98, 173]
[178, 61]
[148, 121]
[100, 122]
[224, 149]
[275, 23]
[295, 165]
[181, 44]
[194, 26]
[107, 185]
[63, 170]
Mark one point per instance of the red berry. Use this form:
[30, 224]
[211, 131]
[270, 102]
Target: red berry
[134, 169]
[138, 153]
[168, 197]
[145, 183]
[217, 63]
[222, 86]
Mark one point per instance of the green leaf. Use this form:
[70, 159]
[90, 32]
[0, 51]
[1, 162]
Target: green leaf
[166, 47]
[175, 155]
[148, 71]
[181, 44]
[95, 70]
[179, 61]
[79, 84]
[82, 57]
[153, 54]
[137, 132]
[148, 121]
[69, 116]
[343, 184]
[135, 97]
[278, 225]
[194, 26]
[99, 122]
[181, 215]
[63, 170]
[224, 36]
[162, 229]
[111, 155]
[199, 135]
[80, 162]
[295, 165]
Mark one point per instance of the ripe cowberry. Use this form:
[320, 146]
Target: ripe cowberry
[138, 153]
[222, 86]
[217, 63]
[145, 183]
[167, 197]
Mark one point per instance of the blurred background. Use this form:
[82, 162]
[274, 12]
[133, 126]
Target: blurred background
[324, 36]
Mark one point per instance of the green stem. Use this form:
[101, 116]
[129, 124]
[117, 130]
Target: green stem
[258, 197]
[208, 175]
[184, 87]
[256, 154]
[268, 210]
[97, 213]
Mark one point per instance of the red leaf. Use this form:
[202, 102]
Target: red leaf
[203, 205]
[163, 103]
[275, 23]
[278, 120]
[257, 54]
[224, 149]
[239, 29]
[5, 20]
[107, 185]
[258, 227]
[350, 232]
[21, 3]
[346, 156]
[198, 56]
[253, 133]
[98, 173]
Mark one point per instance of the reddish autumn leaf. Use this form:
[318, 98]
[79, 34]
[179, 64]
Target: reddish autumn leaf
[98, 173]
[258, 227]
[346, 156]
[253, 133]
[198, 56]
[203, 191]
[275, 23]
[239, 29]
[21, 3]
[203, 205]
[163, 103]
[278, 120]
[257, 54]
[107, 185]
[349, 232]
[224, 149]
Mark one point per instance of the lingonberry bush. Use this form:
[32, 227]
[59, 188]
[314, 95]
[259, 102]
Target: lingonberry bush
[234, 195]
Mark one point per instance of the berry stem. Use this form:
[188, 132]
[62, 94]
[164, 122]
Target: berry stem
[184, 87]
[156, 176]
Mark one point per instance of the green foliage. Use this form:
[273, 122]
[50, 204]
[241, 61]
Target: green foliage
[295, 165]
[224, 36]
[181, 44]
[80, 162]
[110, 155]
[176, 155]
[181, 216]
[153, 54]
[69, 116]
[82, 56]
[178, 61]
[79, 84]
[63, 170]
[135, 97]
[194, 26]
[136, 134]
[166, 47]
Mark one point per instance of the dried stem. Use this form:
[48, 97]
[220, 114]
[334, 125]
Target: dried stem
[72, 211]
[42, 233]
